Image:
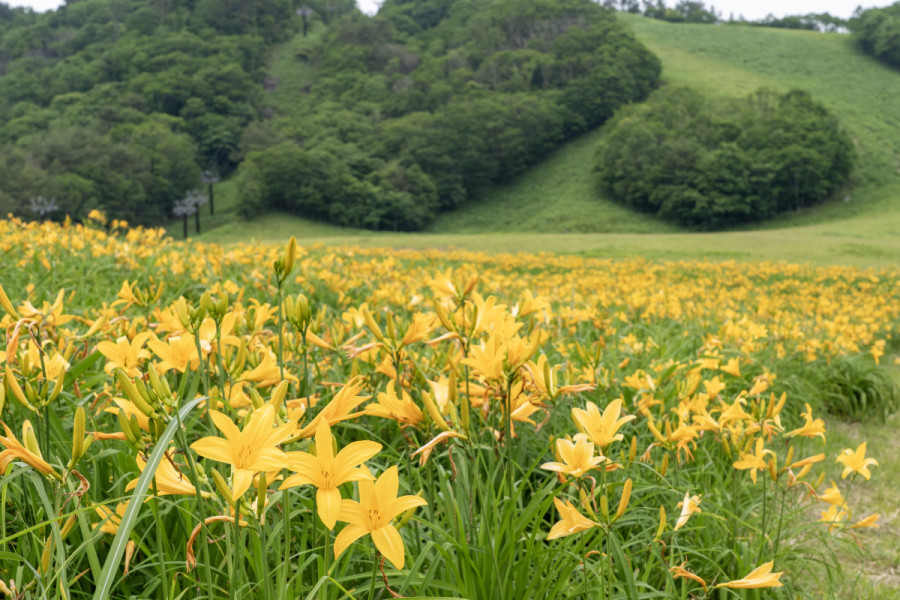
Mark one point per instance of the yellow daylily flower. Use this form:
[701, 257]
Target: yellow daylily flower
[680, 571]
[402, 409]
[601, 429]
[571, 521]
[755, 461]
[867, 522]
[169, 480]
[688, 506]
[326, 471]
[760, 577]
[248, 451]
[125, 354]
[266, 373]
[338, 409]
[732, 367]
[110, 520]
[577, 457]
[15, 450]
[811, 428]
[832, 495]
[834, 516]
[487, 359]
[855, 461]
[378, 505]
[179, 353]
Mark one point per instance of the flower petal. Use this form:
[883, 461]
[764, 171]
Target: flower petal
[387, 539]
[328, 504]
[347, 536]
[214, 448]
[352, 456]
[224, 424]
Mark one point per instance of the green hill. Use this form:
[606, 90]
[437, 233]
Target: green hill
[730, 61]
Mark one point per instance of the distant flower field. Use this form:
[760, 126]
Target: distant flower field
[261, 421]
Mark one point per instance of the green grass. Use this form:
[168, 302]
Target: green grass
[556, 195]
[874, 574]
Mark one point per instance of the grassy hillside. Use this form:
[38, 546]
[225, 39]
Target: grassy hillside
[728, 61]
[553, 206]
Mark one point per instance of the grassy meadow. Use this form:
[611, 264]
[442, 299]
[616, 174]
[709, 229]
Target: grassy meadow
[256, 420]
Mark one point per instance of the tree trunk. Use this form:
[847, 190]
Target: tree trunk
[212, 209]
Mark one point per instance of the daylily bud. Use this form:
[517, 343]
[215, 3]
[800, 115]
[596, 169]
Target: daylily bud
[772, 470]
[206, 302]
[279, 395]
[222, 487]
[604, 507]
[156, 428]
[632, 451]
[665, 465]
[391, 332]
[442, 316]
[58, 386]
[256, 399]
[261, 495]
[434, 412]
[182, 310]
[662, 523]
[131, 391]
[155, 383]
[7, 305]
[548, 379]
[626, 496]
[470, 285]
[131, 429]
[129, 553]
[790, 456]
[464, 414]
[222, 305]
[67, 527]
[2, 397]
[31, 393]
[77, 435]
[45, 555]
[13, 386]
[290, 255]
[819, 480]
[29, 439]
[373, 326]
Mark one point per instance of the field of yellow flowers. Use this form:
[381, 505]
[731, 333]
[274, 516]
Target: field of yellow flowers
[259, 421]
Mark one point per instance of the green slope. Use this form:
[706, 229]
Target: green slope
[729, 61]
[553, 206]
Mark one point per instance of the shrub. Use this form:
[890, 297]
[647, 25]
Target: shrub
[712, 163]
[877, 31]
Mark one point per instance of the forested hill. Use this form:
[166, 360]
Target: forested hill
[412, 112]
[119, 104]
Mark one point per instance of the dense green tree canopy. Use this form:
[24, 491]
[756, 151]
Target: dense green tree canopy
[413, 111]
[712, 163]
[877, 31]
[119, 103]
